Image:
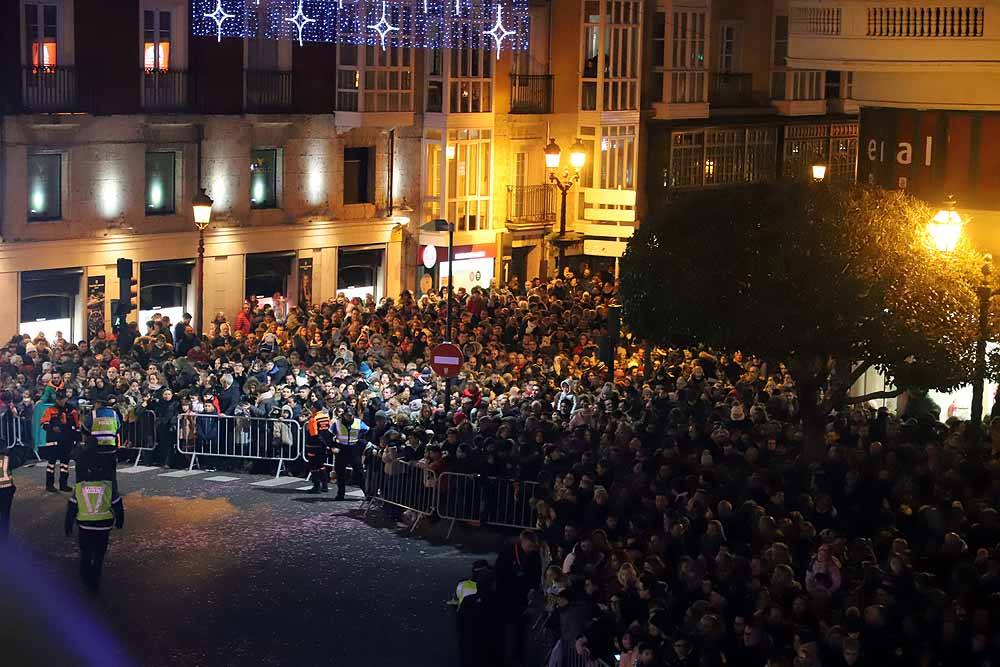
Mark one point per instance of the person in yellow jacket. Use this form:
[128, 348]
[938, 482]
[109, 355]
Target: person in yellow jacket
[94, 506]
[10, 458]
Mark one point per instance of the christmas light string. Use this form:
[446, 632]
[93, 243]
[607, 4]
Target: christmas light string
[407, 23]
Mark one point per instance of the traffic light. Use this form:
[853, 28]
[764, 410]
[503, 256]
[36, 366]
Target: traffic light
[128, 294]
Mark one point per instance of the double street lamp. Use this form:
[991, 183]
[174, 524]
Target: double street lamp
[202, 205]
[577, 158]
[945, 230]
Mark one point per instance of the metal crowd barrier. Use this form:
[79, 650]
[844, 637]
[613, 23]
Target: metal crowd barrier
[492, 500]
[139, 434]
[404, 485]
[10, 432]
[252, 438]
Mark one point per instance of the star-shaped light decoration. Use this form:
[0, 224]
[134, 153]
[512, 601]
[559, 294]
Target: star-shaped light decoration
[498, 32]
[219, 16]
[300, 20]
[383, 27]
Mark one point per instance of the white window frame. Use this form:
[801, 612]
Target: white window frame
[178, 31]
[65, 56]
[735, 63]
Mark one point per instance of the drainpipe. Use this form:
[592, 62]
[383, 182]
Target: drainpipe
[389, 169]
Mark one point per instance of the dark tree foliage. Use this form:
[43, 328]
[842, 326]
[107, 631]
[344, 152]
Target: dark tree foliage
[831, 280]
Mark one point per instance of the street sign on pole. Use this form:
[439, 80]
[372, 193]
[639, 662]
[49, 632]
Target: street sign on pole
[446, 360]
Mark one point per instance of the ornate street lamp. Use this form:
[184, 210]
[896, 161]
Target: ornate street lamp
[202, 206]
[945, 228]
[577, 159]
[819, 172]
[945, 231]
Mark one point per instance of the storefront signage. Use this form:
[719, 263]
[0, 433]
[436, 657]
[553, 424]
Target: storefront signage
[429, 257]
[932, 154]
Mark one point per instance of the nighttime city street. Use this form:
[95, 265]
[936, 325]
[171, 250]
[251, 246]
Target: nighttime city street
[499, 333]
[224, 572]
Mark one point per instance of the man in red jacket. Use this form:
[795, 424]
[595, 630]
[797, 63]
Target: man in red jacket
[243, 320]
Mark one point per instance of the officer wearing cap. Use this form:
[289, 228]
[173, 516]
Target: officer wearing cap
[94, 506]
[348, 432]
[102, 427]
[61, 423]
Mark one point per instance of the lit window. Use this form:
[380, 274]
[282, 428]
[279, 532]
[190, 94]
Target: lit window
[263, 178]
[44, 187]
[40, 34]
[156, 40]
[160, 183]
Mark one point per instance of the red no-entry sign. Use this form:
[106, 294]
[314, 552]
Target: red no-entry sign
[446, 360]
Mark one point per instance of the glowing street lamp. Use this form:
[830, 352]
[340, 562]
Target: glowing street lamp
[202, 206]
[819, 172]
[945, 231]
[577, 160]
[945, 228]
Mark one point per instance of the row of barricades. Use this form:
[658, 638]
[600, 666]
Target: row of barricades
[453, 496]
[239, 437]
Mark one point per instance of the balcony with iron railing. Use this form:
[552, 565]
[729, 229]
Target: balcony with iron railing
[853, 34]
[530, 206]
[530, 93]
[267, 91]
[730, 90]
[49, 89]
[164, 90]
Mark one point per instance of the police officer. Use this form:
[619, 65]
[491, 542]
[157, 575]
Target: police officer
[95, 506]
[61, 423]
[102, 428]
[10, 458]
[478, 640]
[347, 431]
[317, 447]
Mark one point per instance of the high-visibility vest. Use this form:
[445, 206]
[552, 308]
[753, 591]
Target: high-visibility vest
[93, 501]
[348, 436]
[104, 427]
[318, 422]
[465, 589]
[6, 480]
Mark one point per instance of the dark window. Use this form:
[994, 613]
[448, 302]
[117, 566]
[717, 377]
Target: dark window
[267, 273]
[359, 186]
[44, 187]
[160, 183]
[780, 40]
[263, 178]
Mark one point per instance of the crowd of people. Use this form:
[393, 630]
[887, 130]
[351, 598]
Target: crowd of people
[677, 520]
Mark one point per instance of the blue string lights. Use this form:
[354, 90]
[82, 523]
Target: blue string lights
[488, 24]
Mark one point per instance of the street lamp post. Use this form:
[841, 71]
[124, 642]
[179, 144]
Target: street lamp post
[202, 205]
[819, 172]
[577, 158]
[945, 230]
[441, 225]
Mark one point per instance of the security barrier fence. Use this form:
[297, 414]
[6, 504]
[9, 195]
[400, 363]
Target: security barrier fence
[249, 438]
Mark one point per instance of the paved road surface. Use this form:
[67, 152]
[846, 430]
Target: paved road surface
[220, 568]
